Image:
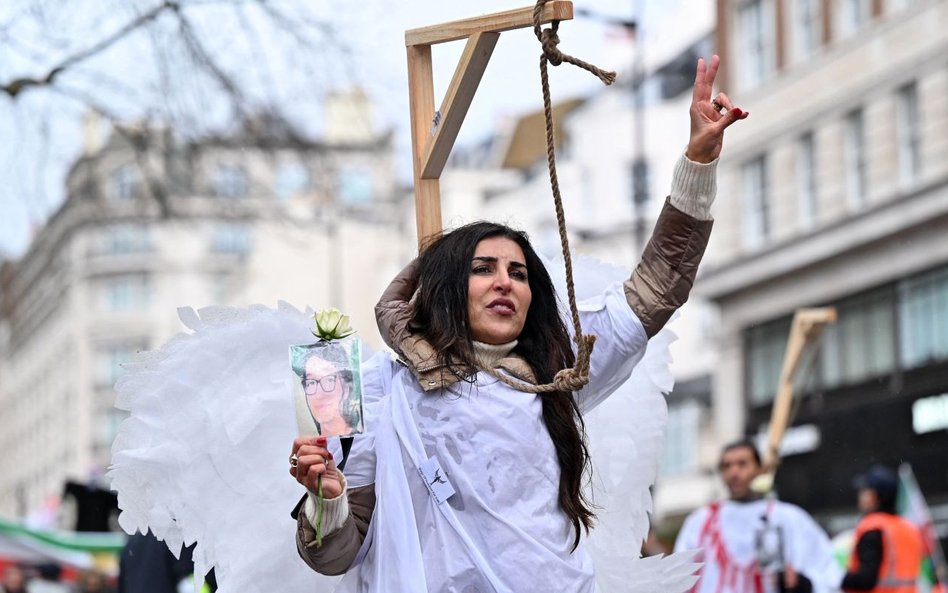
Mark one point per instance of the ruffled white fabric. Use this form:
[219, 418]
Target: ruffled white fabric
[626, 436]
[203, 456]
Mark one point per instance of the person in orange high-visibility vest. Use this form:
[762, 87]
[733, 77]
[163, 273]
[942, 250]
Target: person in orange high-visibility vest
[889, 549]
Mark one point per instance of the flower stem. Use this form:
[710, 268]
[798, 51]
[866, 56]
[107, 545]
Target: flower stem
[319, 511]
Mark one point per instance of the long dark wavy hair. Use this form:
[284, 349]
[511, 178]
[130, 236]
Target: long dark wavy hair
[441, 317]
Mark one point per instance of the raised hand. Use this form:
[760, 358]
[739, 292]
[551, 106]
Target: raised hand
[709, 118]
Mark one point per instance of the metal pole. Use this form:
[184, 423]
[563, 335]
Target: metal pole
[640, 188]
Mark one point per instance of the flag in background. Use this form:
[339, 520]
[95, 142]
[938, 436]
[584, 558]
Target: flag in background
[911, 505]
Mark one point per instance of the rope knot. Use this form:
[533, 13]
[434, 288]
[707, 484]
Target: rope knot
[549, 40]
[577, 377]
[569, 380]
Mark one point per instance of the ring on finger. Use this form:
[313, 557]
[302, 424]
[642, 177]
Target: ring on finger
[294, 460]
[716, 105]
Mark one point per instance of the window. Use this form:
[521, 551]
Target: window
[109, 361]
[292, 179]
[681, 439]
[126, 293]
[126, 183]
[806, 180]
[923, 313]
[765, 345]
[356, 185]
[807, 25]
[862, 343]
[898, 326]
[126, 238]
[230, 182]
[855, 155]
[909, 130]
[755, 42]
[756, 223]
[853, 14]
[231, 238]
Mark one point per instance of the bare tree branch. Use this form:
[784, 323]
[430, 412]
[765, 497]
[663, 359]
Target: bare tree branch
[17, 86]
[167, 67]
[204, 60]
[138, 138]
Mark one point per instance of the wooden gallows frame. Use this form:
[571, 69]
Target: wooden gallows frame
[433, 136]
[805, 332]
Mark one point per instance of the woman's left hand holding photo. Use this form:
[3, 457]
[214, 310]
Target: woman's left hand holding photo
[310, 460]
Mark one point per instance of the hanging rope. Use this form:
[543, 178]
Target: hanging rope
[575, 378]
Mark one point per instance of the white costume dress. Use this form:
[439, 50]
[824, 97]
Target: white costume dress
[727, 535]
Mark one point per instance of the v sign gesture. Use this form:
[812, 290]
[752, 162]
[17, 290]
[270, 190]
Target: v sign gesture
[707, 119]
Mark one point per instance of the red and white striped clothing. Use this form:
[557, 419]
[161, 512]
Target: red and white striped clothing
[726, 532]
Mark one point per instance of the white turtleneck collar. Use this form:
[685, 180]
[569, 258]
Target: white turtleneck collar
[488, 354]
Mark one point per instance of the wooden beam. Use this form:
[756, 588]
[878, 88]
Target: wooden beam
[421, 105]
[432, 141]
[555, 10]
[806, 329]
[457, 100]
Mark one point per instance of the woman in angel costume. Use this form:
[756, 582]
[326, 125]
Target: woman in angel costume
[461, 482]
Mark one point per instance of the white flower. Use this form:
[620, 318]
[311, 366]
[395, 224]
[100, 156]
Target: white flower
[331, 324]
[763, 483]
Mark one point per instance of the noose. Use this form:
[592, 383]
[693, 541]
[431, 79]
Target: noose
[576, 377]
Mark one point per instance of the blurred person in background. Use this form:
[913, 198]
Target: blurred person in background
[47, 580]
[14, 580]
[148, 566]
[888, 552]
[92, 581]
[753, 544]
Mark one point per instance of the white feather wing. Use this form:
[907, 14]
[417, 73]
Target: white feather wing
[626, 436]
[202, 457]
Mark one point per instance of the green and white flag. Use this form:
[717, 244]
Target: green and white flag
[910, 504]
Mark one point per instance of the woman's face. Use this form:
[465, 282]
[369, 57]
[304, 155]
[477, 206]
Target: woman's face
[498, 291]
[324, 388]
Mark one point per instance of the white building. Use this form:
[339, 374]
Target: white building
[231, 221]
[835, 192]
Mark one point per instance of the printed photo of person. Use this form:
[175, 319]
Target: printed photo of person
[331, 387]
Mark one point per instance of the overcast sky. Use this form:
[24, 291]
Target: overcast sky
[375, 32]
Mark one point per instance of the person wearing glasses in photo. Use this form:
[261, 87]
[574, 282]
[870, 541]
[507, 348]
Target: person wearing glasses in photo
[327, 383]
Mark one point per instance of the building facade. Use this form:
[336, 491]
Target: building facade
[237, 220]
[835, 193]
